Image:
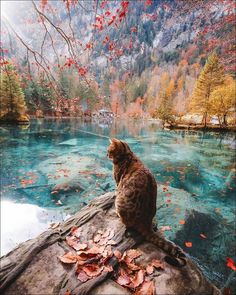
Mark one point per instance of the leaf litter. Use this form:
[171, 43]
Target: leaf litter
[92, 259]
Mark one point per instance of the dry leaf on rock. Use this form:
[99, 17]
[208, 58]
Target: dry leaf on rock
[123, 278]
[157, 264]
[68, 258]
[82, 276]
[138, 279]
[147, 288]
[132, 254]
[149, 269]
[93, 270]
[117, 254]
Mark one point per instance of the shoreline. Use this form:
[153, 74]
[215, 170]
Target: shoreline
[187, 126]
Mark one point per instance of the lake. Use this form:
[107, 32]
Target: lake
[54, 167]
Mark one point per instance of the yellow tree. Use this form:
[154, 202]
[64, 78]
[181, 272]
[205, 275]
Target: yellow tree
[222, 100]
[211, 77]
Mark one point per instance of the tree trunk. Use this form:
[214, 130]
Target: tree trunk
[225, 119]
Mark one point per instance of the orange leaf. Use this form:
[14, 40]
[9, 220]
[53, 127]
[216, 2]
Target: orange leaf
[188, 244]
[68, 258]
[149, 269]
[82, 276]
[123, 278]
[67, 293]
[157, 264]
[203, 236]
[133, 253]
[138, 279]
[147, 288]
[231, 264]
[92, 270]
[117, 254]
[182, 221]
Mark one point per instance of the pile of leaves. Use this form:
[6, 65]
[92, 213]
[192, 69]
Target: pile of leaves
[92, 259]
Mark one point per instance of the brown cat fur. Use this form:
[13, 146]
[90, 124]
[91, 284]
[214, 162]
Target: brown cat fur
[136, 198]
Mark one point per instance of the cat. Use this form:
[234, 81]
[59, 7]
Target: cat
[136, 198]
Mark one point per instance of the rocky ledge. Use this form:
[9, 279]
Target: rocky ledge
[91, 253]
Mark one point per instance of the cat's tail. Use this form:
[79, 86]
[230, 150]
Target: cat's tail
[176, 256]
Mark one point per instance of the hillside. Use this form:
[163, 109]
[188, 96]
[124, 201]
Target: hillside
[123, 55]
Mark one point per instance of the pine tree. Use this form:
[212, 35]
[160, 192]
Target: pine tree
[164, 112]
[211, 77]
[12, 97]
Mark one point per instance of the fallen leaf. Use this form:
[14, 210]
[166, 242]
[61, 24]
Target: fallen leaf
[157, 264]
[76, 231]
[117, 254]
[123, 278]
[54, 225]
[165, 228]
[149, 269]
[138, 279]
[132, 254]
[203, 236]
[108, 268]
[93, 270]
[147, 288]
[79, 246]
[231, 264]
[67, 293]
[182, 221]
[71, 241]
[82, 276]
[188, 244]
[68, 258]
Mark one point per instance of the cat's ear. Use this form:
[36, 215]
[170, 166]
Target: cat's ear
[114, 140]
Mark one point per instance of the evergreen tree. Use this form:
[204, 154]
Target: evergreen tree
[12, 97]
[211, 77]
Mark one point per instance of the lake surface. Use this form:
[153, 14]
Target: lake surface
[52, 168]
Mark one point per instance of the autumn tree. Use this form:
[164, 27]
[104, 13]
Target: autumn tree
[222, 100]
[211, 77]
[12, 97]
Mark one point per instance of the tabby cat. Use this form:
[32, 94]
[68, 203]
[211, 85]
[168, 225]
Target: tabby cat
[136, 198]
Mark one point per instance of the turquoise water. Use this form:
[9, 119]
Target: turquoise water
[54, 167]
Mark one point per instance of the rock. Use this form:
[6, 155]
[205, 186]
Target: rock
[110, 287]
[33, 267]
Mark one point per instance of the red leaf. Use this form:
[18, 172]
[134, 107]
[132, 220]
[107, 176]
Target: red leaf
[68, 258]
[149, 269]
[157, 264]
[147, 288]
[132, 254]
[231, 264]
[117, 254]
[188, 244]
[92, 270]
[182, 221]
[82, 276]
[138, 279]
[123, 278]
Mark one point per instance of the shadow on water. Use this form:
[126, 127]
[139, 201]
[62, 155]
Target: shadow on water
[59, 165]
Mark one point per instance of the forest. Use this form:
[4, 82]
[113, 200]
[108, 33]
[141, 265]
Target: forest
[167, 60]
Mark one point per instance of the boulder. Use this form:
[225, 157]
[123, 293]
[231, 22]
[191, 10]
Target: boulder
[35, 266]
